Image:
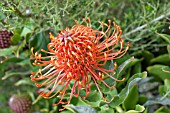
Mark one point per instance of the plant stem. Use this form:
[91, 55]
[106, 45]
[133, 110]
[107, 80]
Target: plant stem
[143, 26]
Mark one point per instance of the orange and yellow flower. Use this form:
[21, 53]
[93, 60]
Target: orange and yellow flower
[78, 55]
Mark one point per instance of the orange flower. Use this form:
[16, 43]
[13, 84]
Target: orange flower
[78, 55]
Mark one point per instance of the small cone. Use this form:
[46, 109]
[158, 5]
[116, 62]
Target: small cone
[20, 103]
[5, 39]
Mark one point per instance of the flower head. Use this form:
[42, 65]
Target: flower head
[78, 56]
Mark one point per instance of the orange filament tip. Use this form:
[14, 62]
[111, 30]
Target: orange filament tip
[61, 92]
[54, 104]
[102, 76]
[40, 72]
[63, 102]
[115, 65]
[89, 47]
[123, 79]
[68, 64]
[36, 53]
[88, 92]
[38, 85]
[90, 54]
[51, 36]
[80, 83]
[76, 95]
[69, 76]
[60, 82]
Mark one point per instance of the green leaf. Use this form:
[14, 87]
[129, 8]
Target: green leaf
[13, 73]
[67, 111]
[167, 85]
[117, 100]
[81, 109]
[25, 81]
[156, 71]
[142, 99]
[166, 69]
[78, 101]
[106, 109]
[132, 99]
[25, 31]
[21, 46]
[138, 109]
[16, 38]
[13, 59]
[8, 51]
[168, 48]
[165, 89]
[39, 41]
[163, 59]
[162, 110]
[137, 68]
[165, 37]
[147, 56]
[124, 66]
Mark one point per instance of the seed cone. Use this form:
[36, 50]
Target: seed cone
[5, 39]
[20, 103]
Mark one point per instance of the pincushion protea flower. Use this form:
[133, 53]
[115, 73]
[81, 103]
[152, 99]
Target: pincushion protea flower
[78, 55]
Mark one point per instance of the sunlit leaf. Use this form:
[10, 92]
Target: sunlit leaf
[25, 81]
[26, 30]
[16, 38]
[138, 109]
[163, 59]
[156, 70]
[166, 69]
[165, 37]
[8, 51]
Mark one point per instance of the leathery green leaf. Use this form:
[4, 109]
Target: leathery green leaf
[166, 69]
[8, 51]
[119, 99]
[156, 70]
[168, 48]
[132, 98]
[106, 109]
[124, 66]
[162, 110]
[80, 109]
[147, 56]
[163, 59]
[138, 109]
